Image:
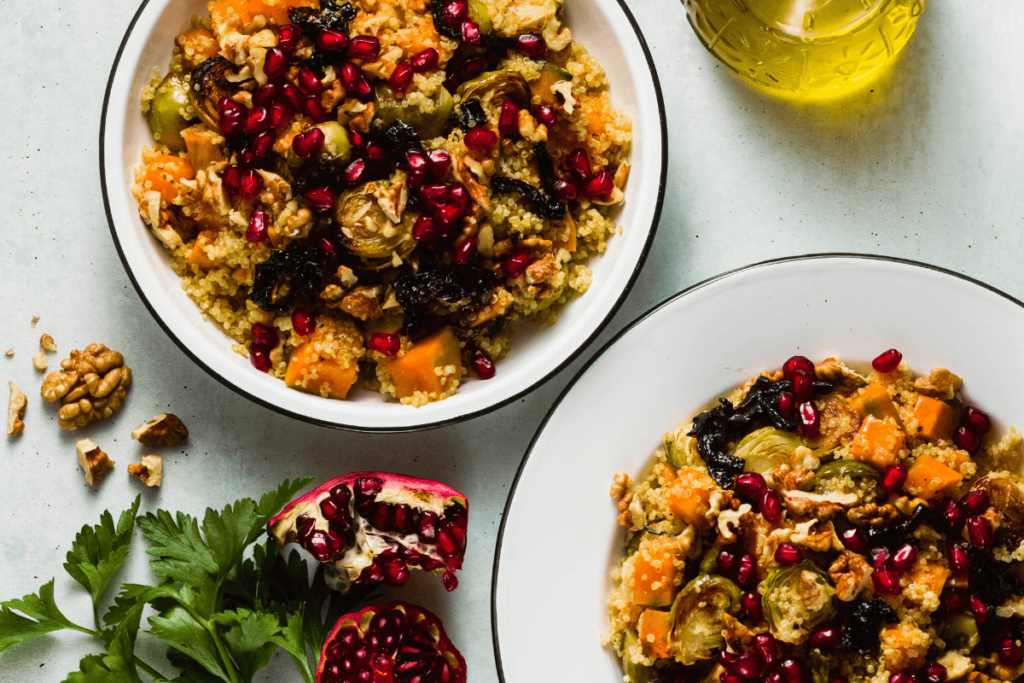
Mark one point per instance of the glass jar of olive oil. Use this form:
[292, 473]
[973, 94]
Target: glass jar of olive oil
[805, 45]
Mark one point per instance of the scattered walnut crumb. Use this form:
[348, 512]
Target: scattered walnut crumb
[16, 410]
[94, 462]
[91, 385]
[9, 352]
[39, 361]
[46, 341]
[940, 383]
[35, 320]
[150, 472]
[163, 430]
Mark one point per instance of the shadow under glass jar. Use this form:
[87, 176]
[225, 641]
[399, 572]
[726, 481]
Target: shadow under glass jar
[805, 45]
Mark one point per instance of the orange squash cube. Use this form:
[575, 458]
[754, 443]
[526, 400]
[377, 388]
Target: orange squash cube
[423, 367]
[198, 256]
[878, 443]
[929, 479]
[654, 571]
[654, 628]
[688, 496]
[935, 419]
[874, 400]
[309, 371]
[164, 173]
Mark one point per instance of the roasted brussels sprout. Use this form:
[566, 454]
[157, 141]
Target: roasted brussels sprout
[1005, 494]
[838, 421]
[681, 448]
[428, 124]
[766, 448]
[697, 617]
[802, 590]
[525, 16]
[337, 147]
[960, 632]
[844, 468]
[494, 87]
[374, 224]
[637, 673]
[478, 13]
[209, 84]
[167, 112]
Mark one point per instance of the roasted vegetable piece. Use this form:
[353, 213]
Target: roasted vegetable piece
[197, 257]
[209, 84]
[838, 421]
[935, 419]
[862, 627]
[930, 479]
[202, 146]
[164, 175]
[845, 468]
[337, 149]
[312, 370]
[766, 448]
[1005, 494]
[494, 87]
[804, 584]
[637, 673]
[878, 443]
[430, 366]
[960, 632]
[541, 87]
[874, 400]
[655, 629]
[428, 124]
[697, 617]
[374, 224]
[688, 495]
[655, 571]
[167, 112]
[478, 13]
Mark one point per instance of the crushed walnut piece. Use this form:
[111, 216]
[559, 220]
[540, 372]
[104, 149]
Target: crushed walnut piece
[150, 472]
[35, 320]
[9, 352]
[166, 429]
[94, 461]
[872, 514]
[823, 506]
[16, 410]
[851, 574]
[620, 484]
[91, 385]
[834, 370]
[39, 361]
[47, 343]
[940, 383]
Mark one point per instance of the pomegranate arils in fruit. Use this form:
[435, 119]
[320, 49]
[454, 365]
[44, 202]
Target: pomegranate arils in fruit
[482, 364]
[750, 603]
[385, 343]
[934, 673]
[746, 571]
[795, 671]
[975, 502]
[480, 138]
[893, 478]
[967, 440]
[531, 45]
[401, 78]
[886, 582]
[803, 384]
[787, 405]
[275, 63]
[771, 507]
[321, 199]
[366, 48]
[750, 485]
[788, 554]
[259, 356]
[980, 531]
[887, 361]
[516, 263]
[304, 322]
[470, 32]
[904, 557]
[797, 364]
[257, 230]
[977, 421]
[329, 39]
[425, 60]
[810, 418]
[1010, 652]
[250, 183]
[355, 172]
[825, 637]
[308, 143]
[853, 539]
[546, 115]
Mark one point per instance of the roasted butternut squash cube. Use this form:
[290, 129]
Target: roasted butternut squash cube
[327, 364]
[935, 419]
[198, 256]
[878, 443]
[655, 571]
[930, 479]
[654, 628]
[688, 496]
[430, 366]
[164, 174]
[874, 401]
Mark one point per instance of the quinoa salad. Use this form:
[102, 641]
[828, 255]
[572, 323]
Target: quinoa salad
[366, 196]
[825, 524]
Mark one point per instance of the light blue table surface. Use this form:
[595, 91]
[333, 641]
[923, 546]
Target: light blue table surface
[928, 170]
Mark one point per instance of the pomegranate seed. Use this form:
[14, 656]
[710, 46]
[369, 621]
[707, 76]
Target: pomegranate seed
[893, 478]
[566, 189]
[329, 39]
[287, 36]
[250, 183]
[953, 601]
[471, 68]
[291, 94]
[304, 322]
[887, 361]
[953, 514]
[959, 558]
[750, 485]
[765, 643]
[824, 637]
[415, 161]
[257, 230]
[309, 82]
[979, 609]
[975, 502]
[727, 563]
[311, 106]
[934, 673]
[979, 529]
[480, 138]
[795, 671]
[261, 145]
[771, 507]
[599, 186]
[457, 196]
[788, 554]
[977, 421]
[327, 246]
[774, 677]
[1009, 652]
[401, 78]
[810, 419]
[280, 115]
[749, 666]
[439, 162]
[424, 61]
[802, 386]
[465, 251]
[726, 677]
[797, 364]
[508, 119]
[308, 143]
[450, 581]
[787, 405]
[375, 154]
[853, 539]
[546, 115]
[232, 179]
[385, 343]
[434, 194]
[275, 63]
[355, 172]
[531, 45]
[901, 677]
[264, 335]
[259, 356]
[751, 604]
[746, 571]
[456, 10]
[354, 81]
[366, 48]
[886, 582]
[470, 32]
[482, 364]
[904, 557]
[232, 117]
[266, 94]
[321, 199]
[967, 440]
[880, 557]
[578, 164]
[447, 216]
[516, 263]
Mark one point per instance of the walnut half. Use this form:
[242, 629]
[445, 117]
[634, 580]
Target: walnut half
[150, 472]
[91, 385]
[163, 430]
[16, 410]
[94, 461]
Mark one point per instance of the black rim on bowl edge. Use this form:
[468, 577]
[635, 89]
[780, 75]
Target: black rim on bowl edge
[586, 343]
[629, 327]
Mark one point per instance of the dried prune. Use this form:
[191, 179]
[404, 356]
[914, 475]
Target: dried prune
[861, 634]
[314, 174]
[398, 138]
[992, 581]
[298, 269]
[471, 114]
[545, 202]
[331, 15]
[450, 283]
[893, 535]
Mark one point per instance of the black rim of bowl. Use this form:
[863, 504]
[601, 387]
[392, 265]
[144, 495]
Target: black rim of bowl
[629, 327]
[414, 428]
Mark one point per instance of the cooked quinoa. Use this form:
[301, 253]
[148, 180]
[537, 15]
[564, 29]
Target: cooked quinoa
[364, 196]
[825, 524]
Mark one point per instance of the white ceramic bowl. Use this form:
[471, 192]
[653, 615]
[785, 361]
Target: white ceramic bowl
[608, 31]
[559, 541]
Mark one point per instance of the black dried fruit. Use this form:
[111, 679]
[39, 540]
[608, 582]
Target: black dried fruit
[894, 535]
[992, 581]
[545, 203]
[450, 283]
[714, 429]
[331, 15]
[314, 174]
[299, 269]
[861, 634]
[440, 25]
[471, 114]
[398, 138]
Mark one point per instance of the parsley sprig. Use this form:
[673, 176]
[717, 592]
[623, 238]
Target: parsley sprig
[223, 604]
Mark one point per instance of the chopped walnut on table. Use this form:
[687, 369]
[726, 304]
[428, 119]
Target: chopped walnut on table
[150, 472]
[39, 361]
[163, 430]
[940, 383]
[47, 343]
[94, 461]
[35, 320]
[91, 385]
[850, 573]
[9, 352]
[16, 410]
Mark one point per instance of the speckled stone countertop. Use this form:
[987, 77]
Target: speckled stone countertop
[927, 167]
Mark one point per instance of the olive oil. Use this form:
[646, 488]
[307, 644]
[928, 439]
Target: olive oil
[805, 45]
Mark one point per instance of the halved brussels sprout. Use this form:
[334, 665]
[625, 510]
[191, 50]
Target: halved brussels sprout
[766, 448]
[428, 124]
[210, 84]
[367, 229]
[845, 468]
[697, 620]
[478, 13]
[960, 632]
[525, 16]
[839, 421]
[166, 112]
[802, 590]
[337, 147]
[681, 448]
[494, 87]
[637, 673]
[1005, 494]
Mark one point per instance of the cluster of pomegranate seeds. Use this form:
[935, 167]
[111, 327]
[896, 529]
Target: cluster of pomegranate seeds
[797, 404]
[761, 663]
[741, 568]
[385, 343]
[265, 338]
[308, 144]
[974, 424]
[887, 361]
[257, 230]
[482, 364]
[752, 487]
[304, 322]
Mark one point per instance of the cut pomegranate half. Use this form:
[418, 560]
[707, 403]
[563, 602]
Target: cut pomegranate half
[374, 527]
[391, 643]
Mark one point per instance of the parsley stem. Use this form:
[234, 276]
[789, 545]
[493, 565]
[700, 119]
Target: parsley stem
[147, 668]
[224, 656]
